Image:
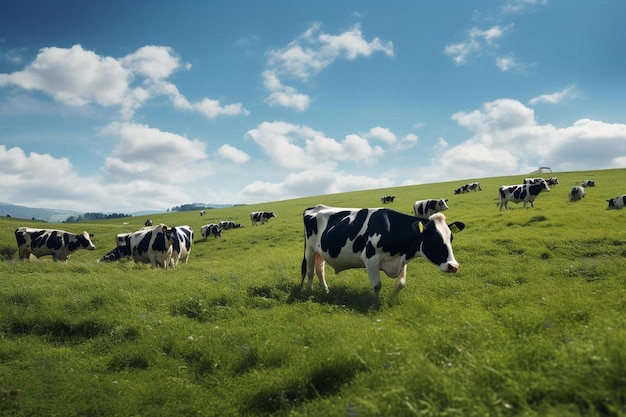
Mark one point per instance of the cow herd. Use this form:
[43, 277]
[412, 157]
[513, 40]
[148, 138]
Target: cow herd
[159, 245]
[377, 239]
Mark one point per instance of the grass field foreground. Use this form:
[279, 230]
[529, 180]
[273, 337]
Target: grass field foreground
[533, 324]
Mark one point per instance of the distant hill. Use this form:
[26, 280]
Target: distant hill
[22, 212]
[58, 216]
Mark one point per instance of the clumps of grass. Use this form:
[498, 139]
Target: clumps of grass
[7, 253]
[58, 329]
[322, 380]
[132, 358]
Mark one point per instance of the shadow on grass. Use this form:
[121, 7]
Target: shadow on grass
[359, 300]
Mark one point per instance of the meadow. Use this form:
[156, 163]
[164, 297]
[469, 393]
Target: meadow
[533, 324]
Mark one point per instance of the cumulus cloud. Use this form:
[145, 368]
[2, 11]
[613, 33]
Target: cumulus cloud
[78, 77]
[555, 98]
[147, 153]
[233, 154]
[506, 139]
[306, 56]
[293, 146]
[315, 182]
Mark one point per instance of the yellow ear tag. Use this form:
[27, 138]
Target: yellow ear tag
[420, 227]
[455, 229]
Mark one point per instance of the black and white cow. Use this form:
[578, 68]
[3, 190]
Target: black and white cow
[387, 199]
[148, 223]
[466, 188]
[211, 229]
[426, 208]
[576, 193]
[261, 216]
[202, 213]
[153, 246]
[617, 202]
[57, 243]
[533, 180]
[377, 239]
[227, 225]
[181, 245]
[526, 193]
[589, 183]
[552, 181]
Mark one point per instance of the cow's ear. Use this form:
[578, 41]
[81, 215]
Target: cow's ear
[164, 228]
[456, 227]
[419, 227]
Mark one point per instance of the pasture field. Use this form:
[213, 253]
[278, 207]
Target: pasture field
[533, 324]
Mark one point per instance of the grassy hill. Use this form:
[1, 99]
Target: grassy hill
[533, 324]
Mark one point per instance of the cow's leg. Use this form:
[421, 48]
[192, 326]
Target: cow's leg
[319, 271]
[373, 272]
[400, 280]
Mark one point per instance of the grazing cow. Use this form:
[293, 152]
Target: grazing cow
[576, 193]
[466, 188]
[227, 225]
[589, 183]
[387, 199]
[261, 216]
[533, 180]
[425, 208]
[553, 181]
[377, 239]
[526, 193]
[211, 230]
[152, 246]
[202, 212]
[58, 243]
[181, 245]
[617, 202]
[148, 223]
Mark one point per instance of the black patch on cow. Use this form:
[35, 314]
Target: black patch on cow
[535, 189]
[144, 244]
[159, 244]
[19, 237]
[433, 247]
[340, 229]
[117, 253]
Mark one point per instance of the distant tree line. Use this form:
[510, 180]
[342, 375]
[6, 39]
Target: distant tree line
[94, 216]
[190, 207]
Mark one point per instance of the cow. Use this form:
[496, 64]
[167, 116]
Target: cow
[211, 229]
[552, 181]
[227, 225]
[526, 193]
[589, 183]
[152, 246]
[387, 199]
[576, 193]
[181, 245]
[261, 216]
[466, 188]
[533, 180]
[148, 223]
[618, 202]
[425, 208]
[377, 239]
[202, 213]
[57, 243]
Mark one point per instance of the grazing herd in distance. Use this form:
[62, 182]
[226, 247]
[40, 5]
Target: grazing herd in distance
[377, 239]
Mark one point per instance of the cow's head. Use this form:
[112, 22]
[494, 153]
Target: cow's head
[437, 238]
[84, 241]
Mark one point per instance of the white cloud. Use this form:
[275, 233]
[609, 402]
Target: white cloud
[517, 6]
[382, 134]
[233, 154]
[556, 98]
[150, 154]
[306, 56]
[506, 139]
[292, 146]
[79, 77]
[476, 43]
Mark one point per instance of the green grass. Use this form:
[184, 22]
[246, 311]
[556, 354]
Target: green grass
[533, 324]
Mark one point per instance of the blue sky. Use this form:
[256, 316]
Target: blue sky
[120, 106]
